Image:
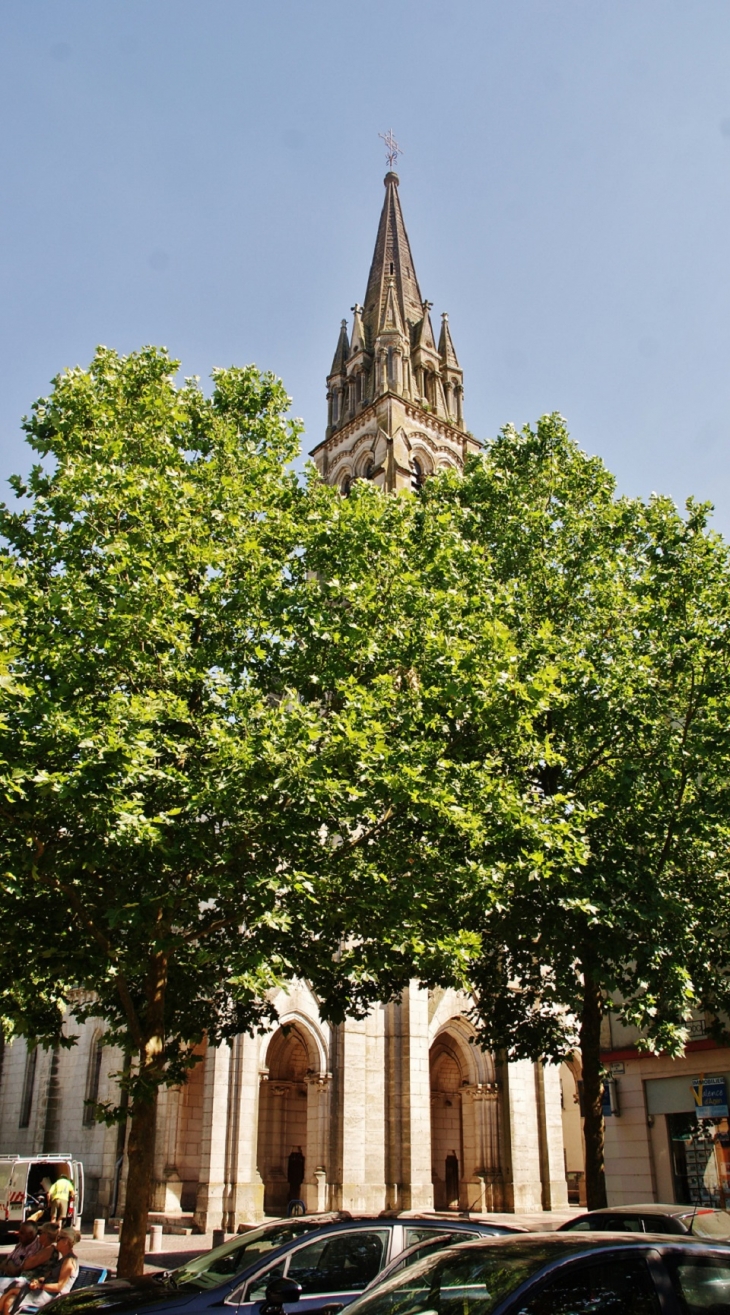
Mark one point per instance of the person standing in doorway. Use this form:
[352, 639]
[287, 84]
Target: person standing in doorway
[452, 1181]
[295, 1173]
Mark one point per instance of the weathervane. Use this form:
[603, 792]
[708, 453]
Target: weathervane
[393, 150]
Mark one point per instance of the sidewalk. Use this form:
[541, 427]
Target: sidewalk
[178, 1250]
[175, 1251]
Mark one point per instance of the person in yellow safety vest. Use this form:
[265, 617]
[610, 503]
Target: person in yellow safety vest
[60, 1198]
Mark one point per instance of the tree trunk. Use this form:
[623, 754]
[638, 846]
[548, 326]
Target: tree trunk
[142, 1132]
[141, 1153]
[593, 1124]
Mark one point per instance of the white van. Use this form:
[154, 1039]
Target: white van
[22, 1194]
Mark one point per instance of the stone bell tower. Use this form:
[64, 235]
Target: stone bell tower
[395, 398]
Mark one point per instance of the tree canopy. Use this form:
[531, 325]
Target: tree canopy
[213, 767]
[251, 730]
[620, 609]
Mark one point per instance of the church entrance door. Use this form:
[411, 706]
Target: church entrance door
[282, 1141]
[446, 1123]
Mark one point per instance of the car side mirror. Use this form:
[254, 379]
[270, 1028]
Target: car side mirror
[279, 1293]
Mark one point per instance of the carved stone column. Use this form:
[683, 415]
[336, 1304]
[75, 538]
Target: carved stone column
[483, 1179]
[211, 1186]
[315, 1188]
[523, 1185]
[554, 1182]
[409, 1102]
[357, 1136]
[245, 1195]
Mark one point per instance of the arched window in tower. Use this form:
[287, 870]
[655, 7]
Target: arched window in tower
[417, 476]
[26, 1100]
[345, 486]
[392, 267]
[368, 471]
[93, 1074]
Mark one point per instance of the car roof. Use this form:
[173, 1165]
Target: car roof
[387, 1221]
[651, 1208]
[590, 1241]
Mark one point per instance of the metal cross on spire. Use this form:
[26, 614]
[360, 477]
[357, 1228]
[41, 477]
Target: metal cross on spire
[393, 150]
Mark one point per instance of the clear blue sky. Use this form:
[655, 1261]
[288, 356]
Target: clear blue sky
[209, 176]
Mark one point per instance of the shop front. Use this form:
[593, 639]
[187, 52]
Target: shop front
[690, 1138]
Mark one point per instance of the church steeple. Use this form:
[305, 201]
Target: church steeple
[392, 259]
[395, 398]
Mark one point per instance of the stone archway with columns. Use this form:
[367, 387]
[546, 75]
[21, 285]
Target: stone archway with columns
[231, 1188]
[293, 1113]
[466, 1133]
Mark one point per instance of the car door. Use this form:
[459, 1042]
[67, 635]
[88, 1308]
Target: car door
[609, 1285]
[701, 1283]
[333, 1268]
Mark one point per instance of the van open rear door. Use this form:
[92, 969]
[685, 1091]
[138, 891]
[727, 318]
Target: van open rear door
[77, 1175]
[17, 1187]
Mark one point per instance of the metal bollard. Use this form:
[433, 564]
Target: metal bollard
[155, 1237]
[219, 1237]
[99, 1229]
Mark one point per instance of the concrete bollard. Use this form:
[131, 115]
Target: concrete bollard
[155, 1237]
[219, 1237]
[99, 1229]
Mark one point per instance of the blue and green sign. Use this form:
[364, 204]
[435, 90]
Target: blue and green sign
[710, 1098]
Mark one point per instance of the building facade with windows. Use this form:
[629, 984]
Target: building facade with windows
[401, 1110]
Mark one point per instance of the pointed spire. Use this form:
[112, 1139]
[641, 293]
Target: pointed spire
[342, 352]
[424, 333]
[391, 321]
[446, 346]
[392, 259]
[357, 343]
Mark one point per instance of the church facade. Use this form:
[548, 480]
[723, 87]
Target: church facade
[400, 1110]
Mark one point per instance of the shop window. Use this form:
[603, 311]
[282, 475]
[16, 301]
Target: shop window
[700, 1159]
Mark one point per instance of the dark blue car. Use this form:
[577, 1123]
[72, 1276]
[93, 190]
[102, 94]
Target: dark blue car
[332, 1262]
[560, 1274]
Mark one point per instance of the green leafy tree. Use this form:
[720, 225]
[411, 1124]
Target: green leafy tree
[619, 611]
[213, 771]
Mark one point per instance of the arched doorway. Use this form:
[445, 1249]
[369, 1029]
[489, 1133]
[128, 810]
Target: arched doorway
[465, 1122]
[283, 1150]
[447, 1150]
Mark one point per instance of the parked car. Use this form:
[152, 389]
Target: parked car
[700, 1221]
[330, 1261]
[560, 1274]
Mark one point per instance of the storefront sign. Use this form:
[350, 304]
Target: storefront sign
[710, 1096]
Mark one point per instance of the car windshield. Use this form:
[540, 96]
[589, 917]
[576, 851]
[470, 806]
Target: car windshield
[712, 1224]
[469, 1282]
[233, 1257]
